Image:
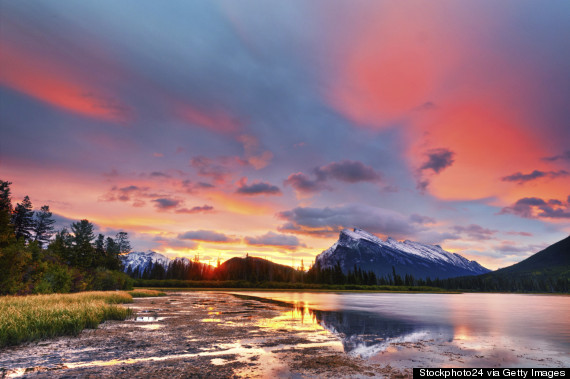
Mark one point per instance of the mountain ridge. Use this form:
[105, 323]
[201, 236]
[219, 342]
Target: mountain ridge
[358, 248]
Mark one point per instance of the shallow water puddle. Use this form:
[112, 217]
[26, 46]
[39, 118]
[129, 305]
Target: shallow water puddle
[147, 318]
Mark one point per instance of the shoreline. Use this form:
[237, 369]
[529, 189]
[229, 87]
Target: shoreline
[216, 335]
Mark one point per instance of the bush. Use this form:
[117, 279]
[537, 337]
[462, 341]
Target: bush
[56, 278]
[107, 280]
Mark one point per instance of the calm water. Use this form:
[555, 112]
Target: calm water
[507, 329]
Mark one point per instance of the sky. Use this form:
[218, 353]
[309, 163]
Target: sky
[220, 128]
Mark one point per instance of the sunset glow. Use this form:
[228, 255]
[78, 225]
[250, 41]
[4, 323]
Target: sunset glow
[203, 129]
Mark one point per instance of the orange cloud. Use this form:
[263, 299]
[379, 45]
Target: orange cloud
[52, 83]
[488, 143]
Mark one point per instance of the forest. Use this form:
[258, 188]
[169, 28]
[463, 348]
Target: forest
[35, 258]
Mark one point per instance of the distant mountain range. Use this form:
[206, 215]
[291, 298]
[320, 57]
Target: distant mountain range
[143, 260]
[542, 271]
[358, 248]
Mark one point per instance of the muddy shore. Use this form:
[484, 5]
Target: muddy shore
[200, 335]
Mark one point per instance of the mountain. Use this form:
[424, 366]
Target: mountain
[552, 262]
[249, 268]
[142, 260]
[369, 253]
[546, 271]
[254, 269]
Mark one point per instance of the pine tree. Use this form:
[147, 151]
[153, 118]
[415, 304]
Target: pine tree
[23, 219]
[6, 227]
[113, 249]
[43, 225]
[122, 241]
[82, 239]
[100, 259]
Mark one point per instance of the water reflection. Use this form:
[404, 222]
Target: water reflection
[365, 333]
[361, 333]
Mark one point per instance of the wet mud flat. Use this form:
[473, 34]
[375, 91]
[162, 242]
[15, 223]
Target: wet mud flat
[200, 335]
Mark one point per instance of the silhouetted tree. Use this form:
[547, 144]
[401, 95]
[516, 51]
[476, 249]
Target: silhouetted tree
[113, 249]
[23, 219]
[123, 244]
[43, 225]
[100, 257]
[6, 227]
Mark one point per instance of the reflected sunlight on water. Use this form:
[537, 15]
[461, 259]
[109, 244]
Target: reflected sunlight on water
[299, 318]
[482, 329]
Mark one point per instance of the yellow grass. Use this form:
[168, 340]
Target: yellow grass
[146, 293]
[28, 318]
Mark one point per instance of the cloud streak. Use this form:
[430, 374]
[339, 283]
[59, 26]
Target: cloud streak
[328, 221]
[256, 188]
[521, 178]
[534, 207]
[343, 171]
[206, 236]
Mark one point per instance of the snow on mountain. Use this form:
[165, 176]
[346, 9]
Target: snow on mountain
[142, 260]
[361, 249]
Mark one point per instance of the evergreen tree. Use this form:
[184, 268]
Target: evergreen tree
[6, 227]
[123, 244]
[113, 249]
[83, 251]
[62, 246]
[43, 225]
[23, 220]
[100, 259]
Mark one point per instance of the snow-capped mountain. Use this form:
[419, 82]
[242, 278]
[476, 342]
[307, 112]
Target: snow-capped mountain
[370, 253]
[142, 260]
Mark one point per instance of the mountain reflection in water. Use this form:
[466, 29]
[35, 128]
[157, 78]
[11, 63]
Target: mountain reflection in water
[366, 334]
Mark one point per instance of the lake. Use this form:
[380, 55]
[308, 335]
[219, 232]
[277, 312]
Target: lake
[470, 330]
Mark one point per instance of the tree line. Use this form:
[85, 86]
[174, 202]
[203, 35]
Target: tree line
[35, 258]
[256, 270]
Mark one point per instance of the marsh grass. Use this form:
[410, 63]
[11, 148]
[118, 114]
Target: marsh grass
[146, 293]
[35, 317]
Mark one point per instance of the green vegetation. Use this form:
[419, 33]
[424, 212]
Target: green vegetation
[34, 317]
[146, 293]
[36, 259]
[242, 284]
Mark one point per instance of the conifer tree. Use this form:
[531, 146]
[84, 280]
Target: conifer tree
[123, 244]
[100, 259]
[82, 239]
[43, 225]
[6, 227]
[23, 219]
[112, 249]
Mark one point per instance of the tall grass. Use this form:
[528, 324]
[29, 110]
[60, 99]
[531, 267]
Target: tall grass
[146, 293]
[34, 317]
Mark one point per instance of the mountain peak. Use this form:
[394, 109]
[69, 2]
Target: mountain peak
[363, 249]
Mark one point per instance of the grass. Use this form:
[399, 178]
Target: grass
[146, 293]
[35, 317]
